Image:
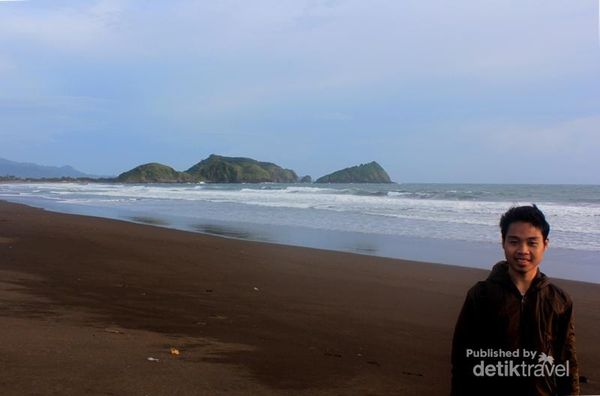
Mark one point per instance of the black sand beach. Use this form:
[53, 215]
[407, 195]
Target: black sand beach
[95, 306]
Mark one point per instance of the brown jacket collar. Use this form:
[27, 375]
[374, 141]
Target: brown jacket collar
[500, 275]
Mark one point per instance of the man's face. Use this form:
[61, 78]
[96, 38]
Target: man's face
[524, 247]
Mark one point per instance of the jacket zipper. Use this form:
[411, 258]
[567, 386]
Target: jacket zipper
[521, 319]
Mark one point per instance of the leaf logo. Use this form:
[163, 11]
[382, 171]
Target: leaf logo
[545, 359]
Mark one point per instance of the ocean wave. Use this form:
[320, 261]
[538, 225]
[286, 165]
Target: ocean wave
[372, 209]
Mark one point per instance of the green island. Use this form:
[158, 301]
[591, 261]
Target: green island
[220, 169]
[215, 169]
[154, 173]
[363, 173]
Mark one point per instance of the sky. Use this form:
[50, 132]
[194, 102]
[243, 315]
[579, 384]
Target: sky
[462, 91]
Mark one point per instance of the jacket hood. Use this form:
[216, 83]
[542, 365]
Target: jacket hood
[500, 275]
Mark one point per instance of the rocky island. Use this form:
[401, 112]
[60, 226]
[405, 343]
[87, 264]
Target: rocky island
[363, 173]
[214, 169]
[220, 169]
[154, 173]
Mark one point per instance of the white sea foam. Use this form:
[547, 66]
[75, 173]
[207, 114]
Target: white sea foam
[450, 213]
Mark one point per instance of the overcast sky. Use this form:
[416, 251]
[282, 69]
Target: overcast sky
[499, 91]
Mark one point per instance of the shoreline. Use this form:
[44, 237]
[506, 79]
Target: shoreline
[571, 264]
[85, 298]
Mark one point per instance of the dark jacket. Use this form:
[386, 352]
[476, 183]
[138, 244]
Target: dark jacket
[496, 317]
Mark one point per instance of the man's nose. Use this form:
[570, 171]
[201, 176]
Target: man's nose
[522, 248]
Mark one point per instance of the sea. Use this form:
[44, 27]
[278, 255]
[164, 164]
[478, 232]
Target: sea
[455, 224]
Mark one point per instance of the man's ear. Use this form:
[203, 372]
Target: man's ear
[546, 243]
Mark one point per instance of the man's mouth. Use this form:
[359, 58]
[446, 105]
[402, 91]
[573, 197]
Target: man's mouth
[522, 260]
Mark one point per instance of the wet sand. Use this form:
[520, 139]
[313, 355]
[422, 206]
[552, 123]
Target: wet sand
[85, 302]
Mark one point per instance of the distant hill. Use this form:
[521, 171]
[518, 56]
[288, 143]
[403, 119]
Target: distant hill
[34, 171]
[363, 173]
[154, 173]
[220, 169]
[214, 169]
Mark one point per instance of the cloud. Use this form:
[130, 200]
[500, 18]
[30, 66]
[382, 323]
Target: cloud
[75, 29]
[432, 73]
[367, 41]
[570, 138]
[36, 119]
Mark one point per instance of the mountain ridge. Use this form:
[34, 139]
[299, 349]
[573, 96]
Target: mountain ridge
[32, 170]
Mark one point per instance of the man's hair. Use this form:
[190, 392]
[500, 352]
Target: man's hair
[527, 214]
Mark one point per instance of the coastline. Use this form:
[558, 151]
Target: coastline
[312, 229]
[85, 302]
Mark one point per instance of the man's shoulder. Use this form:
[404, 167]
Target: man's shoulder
[483, 289]
[478, 287]
[555, 293]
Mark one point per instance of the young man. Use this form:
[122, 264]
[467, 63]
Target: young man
[514, 334]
